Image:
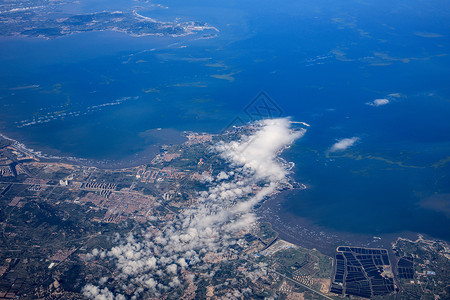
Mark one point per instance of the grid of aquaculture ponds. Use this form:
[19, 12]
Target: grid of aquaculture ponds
[406, 268]
[360, 272]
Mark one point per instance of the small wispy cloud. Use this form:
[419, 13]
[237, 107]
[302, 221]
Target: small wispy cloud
[428, 34]
[392, 97]
[396, 95]
[343, 144]
[378, 102]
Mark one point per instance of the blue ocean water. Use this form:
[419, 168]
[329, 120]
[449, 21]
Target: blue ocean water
[97, 95]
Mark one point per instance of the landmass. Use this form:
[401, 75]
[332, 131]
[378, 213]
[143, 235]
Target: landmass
[47, 19]
[183, 226]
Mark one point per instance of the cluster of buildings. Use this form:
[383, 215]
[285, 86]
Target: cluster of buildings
[6, 171]
[99, 185]
[154, 175]
[195, 138]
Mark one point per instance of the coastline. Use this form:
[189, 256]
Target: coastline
[303, 232]
[135, 160]
[291, 228]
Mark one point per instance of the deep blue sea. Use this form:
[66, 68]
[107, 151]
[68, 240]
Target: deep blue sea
[98, 95]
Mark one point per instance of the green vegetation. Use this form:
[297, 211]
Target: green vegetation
[265, 232]
[431, 268]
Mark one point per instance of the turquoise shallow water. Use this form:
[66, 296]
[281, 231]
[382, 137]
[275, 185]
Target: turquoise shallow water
[97, 95]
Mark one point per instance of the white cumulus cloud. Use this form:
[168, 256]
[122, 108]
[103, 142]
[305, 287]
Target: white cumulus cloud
[378, 102]
[343, 144]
